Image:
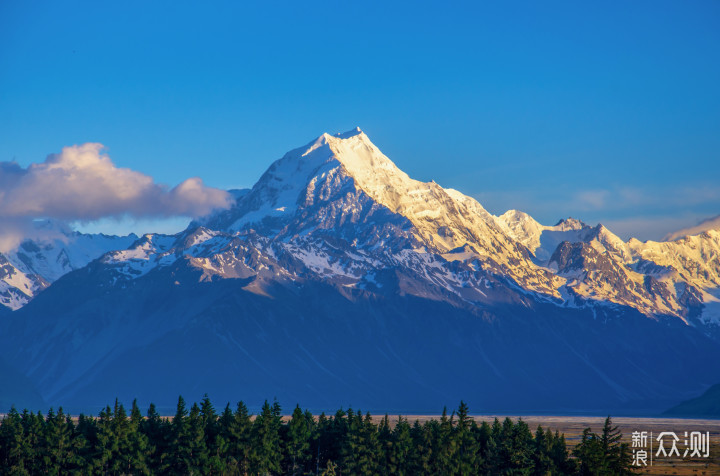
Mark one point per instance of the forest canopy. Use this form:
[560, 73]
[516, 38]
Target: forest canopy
[200, 440]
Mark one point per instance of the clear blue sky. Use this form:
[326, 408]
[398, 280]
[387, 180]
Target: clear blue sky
[609, 112]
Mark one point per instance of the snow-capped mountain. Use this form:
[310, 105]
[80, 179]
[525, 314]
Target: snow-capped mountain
[35, 264]
[342, 209]
[677, 278]
[338, 278]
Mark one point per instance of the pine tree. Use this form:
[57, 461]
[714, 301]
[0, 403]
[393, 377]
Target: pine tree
[155, 429]
[332, 433]
[514, 447]
[57, 454]
[14, 446]
[299, 438]
[265, 454]
[603, 454]
[136, 447]
[589, 453]
[319, 446]
[446, 444]
[385, 445]
[467, 451]
[560, 455]
[220, 461]
[104, 444]
[179, 458]
[361, 449]
[496, 450]
[214, 442]
[197, 450]
[33, 428]
[120, 427]
[239, 435]
[209, 420]
[487, 448]
[400, 452]
[85, 440]
[541, 456]
[310, 465]
[617, 457]
[187, 452]
[610, 443]
[624, 465]
[522, 446]
[425, 445]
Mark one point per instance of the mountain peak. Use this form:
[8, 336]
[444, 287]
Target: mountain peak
[327, 138]
[335, 165]
[323, 164]
[570, 223]
[351, 133]
[362, 159]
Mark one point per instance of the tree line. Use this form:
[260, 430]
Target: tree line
[233, 442]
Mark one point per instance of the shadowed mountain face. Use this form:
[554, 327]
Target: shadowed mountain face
[339, 280]
[706, 405]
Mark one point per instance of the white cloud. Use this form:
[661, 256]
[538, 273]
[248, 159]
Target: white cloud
[592, 199]
[14, 230]
[82, 183]
[705, 225]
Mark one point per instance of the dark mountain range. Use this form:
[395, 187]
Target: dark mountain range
[706, 405]
[338, 280]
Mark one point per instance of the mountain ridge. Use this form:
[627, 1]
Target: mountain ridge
[328, 270]
[35, 264]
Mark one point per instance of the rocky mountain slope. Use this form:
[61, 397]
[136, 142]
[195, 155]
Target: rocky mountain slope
[35, 264]
[342, 189]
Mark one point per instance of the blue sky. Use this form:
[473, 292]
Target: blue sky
[609, 112]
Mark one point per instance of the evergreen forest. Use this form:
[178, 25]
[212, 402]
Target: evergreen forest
[201, 440]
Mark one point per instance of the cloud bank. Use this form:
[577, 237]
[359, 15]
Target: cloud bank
[14, 230]
[82, 184]
[705, 225]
